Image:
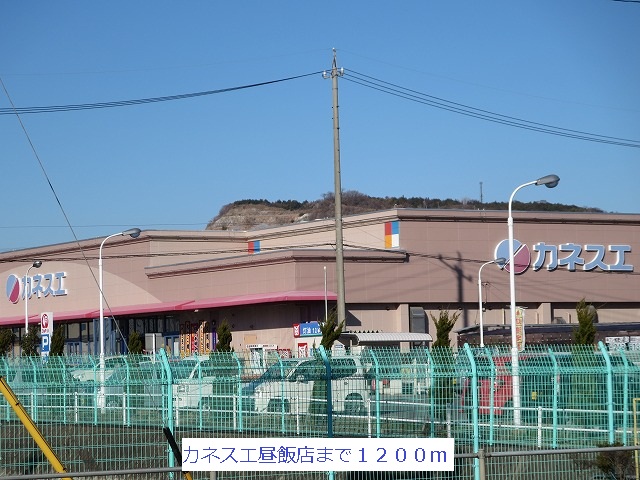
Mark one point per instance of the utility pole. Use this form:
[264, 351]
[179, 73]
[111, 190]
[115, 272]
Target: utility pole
[335, 73]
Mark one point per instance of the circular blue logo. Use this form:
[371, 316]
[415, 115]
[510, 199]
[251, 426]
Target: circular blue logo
[14, 288]
[521, 256]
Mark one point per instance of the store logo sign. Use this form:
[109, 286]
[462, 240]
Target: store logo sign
[521, 256]
[38, 286]
[611, 258]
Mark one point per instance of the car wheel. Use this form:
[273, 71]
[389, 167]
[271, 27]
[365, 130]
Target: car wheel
[276, 405]
[354, 404]
[206, 404]
[114, 402]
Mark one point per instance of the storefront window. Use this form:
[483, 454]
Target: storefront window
[73, 331]
[151, 325]
[86, 332]
[171, 324]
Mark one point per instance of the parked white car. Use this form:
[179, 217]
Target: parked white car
[126, 380]
[91, 372]
[405, 379]
[295, 392]
[200, 383]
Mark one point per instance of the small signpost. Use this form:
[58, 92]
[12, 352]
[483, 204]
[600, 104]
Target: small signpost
[46, 332]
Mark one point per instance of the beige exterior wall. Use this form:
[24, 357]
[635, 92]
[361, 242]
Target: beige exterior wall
[435, 266]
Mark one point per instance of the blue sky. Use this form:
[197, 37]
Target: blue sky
[172, 165]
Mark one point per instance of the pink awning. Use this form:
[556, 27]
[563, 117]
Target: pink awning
[252, 299]
[76, 315]
[13, 320]
[95, 313]
[256, 298]
[57, 316]
[144, 308]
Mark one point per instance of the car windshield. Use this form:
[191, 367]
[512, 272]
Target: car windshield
[278, 371]
[183, 370]
[114, 362]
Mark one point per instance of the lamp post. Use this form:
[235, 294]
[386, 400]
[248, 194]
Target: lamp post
[550, 181]
[133, 233]
[27, 292]
[499, 261]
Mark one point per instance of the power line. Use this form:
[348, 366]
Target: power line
[366, 81]
[141, 101]
[144, 226]
[467, 110]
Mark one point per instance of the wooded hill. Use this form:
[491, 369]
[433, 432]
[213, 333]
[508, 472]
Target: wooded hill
[255, 214]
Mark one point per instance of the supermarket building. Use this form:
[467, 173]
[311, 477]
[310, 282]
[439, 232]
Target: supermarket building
[401, 267]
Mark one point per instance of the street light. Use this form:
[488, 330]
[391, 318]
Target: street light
[499, 261]
[27, 292]
[549, 181]
[133, 233]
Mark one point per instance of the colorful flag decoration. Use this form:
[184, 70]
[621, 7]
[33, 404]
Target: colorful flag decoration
[254, 247]
[392, 234]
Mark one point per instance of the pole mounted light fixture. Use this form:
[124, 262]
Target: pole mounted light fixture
[549, 181]
[498, 261]
[133, 233]
[27, 293]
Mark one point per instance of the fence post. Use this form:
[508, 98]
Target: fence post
[200, 388]
[482, 471]
[327, 364]
[607, 359]
[239, 392]
[5, 361]
[296, 404]
[432, 380]
[492, 394]
[556, 392]
[65, 383]
[474, 390]
[625, 398]
[34, 392]
[126, 395]
[170, 424]
[376, 365]
[282, 397]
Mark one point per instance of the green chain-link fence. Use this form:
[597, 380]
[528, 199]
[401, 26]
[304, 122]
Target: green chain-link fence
[110, 415]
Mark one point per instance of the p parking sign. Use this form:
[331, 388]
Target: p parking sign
[45, 343]
[46, 330]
